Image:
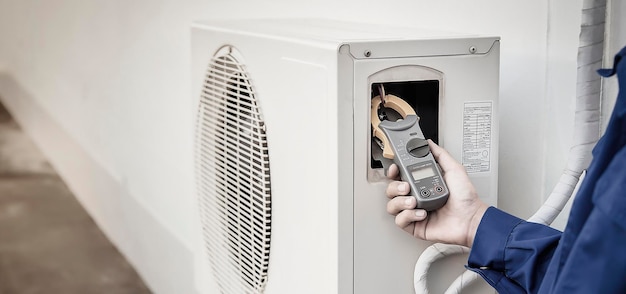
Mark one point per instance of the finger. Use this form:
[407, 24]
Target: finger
[407, 218]
[445, 160]
[393, 171]
[395, 205]
[397, 188]
[419, 227]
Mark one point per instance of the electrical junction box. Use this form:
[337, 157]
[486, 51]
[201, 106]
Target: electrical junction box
[289, 181]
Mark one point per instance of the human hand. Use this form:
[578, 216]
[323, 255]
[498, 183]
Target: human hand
[454, 223]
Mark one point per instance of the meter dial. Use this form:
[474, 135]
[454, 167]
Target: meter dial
[417, 147]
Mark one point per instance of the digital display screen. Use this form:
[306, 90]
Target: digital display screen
[422, 173]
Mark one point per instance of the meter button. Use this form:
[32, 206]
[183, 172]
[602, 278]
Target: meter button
[425, 193]
[417, 147]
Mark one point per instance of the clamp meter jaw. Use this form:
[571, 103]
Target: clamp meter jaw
[417, 165]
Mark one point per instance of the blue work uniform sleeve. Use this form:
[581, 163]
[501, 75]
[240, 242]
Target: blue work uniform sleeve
[512, 255]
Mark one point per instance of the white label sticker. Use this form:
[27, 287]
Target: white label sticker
[477, 136]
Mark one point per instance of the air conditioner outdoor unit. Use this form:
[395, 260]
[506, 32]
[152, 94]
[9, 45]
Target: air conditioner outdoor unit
[290, 189]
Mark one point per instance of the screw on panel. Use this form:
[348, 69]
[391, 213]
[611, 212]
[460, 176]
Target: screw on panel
[367, 53]
[472, 49]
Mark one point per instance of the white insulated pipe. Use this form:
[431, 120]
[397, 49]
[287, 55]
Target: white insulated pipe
[588, 106]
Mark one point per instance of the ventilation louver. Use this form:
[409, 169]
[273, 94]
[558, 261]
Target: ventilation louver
[233, 177]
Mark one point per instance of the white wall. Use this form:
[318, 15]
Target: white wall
[114, 76]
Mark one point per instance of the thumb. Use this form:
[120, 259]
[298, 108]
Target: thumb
[445, 160]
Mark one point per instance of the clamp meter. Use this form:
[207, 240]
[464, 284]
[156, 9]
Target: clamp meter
[417, 165]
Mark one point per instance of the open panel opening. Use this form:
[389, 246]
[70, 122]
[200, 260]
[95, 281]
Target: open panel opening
[422, 95]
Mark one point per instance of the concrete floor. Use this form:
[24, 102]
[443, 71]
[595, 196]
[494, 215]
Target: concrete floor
[48, 243]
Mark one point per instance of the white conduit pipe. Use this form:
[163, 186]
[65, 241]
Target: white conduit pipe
[587, 132]
[431, 255]
[587, 116]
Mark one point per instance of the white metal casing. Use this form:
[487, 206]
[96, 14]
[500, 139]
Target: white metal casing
[330, 230]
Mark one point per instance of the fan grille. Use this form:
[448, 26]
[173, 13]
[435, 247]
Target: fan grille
[233, 177]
